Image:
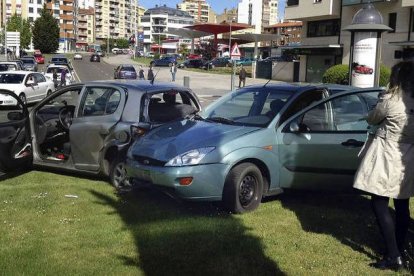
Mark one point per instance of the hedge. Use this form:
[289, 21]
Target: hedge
[339, 74]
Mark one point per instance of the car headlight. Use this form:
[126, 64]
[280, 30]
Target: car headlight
[192, 157]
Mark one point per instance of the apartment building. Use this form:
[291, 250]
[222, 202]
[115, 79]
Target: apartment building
[324, 43]
[156, 22]
[260, 13]
[85, 28]
[200, 10]
[289, 33]
[115, 19]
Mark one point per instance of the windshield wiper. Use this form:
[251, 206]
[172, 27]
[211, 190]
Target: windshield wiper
[221, 120]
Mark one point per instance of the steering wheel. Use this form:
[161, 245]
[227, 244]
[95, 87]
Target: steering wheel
[66, 116]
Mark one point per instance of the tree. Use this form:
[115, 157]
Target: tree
[183, 50]
[122, 43]
[46, 32]
[17, 24]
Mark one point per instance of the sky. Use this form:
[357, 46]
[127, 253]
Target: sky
[218, 6]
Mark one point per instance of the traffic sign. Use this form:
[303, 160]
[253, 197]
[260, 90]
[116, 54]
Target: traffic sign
[235, 51]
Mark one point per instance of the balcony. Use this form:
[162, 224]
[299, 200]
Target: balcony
[66, 8]
[308, 10]
[66, 16]
[82, 26]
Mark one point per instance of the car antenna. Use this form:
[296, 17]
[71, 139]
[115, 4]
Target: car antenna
[153, 79]
[267, 83]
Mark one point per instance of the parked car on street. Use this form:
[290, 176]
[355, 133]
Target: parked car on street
[165, 61]
[61, 60]
[10, 66]
[216, 62]
[77, 56]
[125, 71]
[59, 69]
[191, 63]
[29, 63]
[28, 86]
[95, 58]
[193, 56]
[88, 127]
[245, 61]
[257, 141]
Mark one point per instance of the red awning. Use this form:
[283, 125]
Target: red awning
[215, 29]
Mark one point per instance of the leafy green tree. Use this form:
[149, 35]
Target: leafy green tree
[183, 50]
[122, 43]
[17, 24]
[46, 32]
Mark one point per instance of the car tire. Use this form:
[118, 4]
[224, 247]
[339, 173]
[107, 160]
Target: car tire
[22, 97]
[243, 188]
[117, 174]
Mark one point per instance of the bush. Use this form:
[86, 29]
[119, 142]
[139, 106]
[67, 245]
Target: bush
[339, 74]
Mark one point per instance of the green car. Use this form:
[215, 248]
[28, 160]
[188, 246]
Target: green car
[257, 141]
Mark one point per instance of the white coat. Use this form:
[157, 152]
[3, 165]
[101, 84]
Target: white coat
[387, 165]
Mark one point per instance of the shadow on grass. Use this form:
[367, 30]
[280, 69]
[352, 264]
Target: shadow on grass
[187, 239]
[348, 218]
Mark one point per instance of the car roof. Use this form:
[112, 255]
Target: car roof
[18, 72]
[299, 86]
[141, 85]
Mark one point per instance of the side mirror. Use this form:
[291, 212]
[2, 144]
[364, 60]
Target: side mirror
[15, 116]
[294, 127]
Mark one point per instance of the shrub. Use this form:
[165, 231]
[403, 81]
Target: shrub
[339, 74]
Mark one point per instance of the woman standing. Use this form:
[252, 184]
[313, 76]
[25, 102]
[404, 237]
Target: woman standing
[386, 169]
[173, 70]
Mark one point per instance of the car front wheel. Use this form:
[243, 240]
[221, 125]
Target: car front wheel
[243, 188]
[118, 176]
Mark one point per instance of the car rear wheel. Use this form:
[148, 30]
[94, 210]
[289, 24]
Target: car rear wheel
[22, 97]
[118, 176]
[243, 188]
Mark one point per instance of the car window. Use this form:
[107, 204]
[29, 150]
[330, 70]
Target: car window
[11, 78]
[31, 61]
[10, 110]
[99, 101]
[303, 101]
[128, 69]
[345, 113]
[251, 107]
[39, 78]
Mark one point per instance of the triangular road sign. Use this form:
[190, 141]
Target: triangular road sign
[235, 51]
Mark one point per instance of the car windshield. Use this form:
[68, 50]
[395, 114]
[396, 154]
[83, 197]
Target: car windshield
[128, 69]
[249, 107]
[58, 70]
[11, 78]
[31, 61]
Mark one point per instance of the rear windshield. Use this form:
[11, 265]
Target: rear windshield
[11, 78]
[54, 60]
[58, 70]
[28, 61]
[129, 69]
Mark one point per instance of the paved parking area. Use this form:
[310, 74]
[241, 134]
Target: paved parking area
[203, 84]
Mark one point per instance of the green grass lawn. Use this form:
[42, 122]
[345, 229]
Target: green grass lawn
[143, 60]
[144, 232]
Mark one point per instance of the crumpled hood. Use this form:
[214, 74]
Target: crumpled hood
[170, 140]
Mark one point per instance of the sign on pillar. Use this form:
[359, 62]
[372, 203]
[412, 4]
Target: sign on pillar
[364, 59]
[235, 52]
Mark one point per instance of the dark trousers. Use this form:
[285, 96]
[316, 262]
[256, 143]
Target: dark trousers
[242, 80]
[394, 233]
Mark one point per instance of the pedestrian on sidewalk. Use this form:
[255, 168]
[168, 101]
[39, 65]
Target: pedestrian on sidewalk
[386, 167]
[141, 73]
[150, 75]
[173, 70]
[242, 76]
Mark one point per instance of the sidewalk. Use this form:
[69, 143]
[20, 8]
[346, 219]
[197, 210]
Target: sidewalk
[203, 84]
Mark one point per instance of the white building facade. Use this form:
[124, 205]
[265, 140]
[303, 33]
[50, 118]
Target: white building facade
[260, 13]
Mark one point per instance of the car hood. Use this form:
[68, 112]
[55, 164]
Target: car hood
[170, 140]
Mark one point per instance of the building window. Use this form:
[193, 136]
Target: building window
[30, 10]
[323, 28]
[39, 1]
[317, 1]
[392, 21]
[292, 3]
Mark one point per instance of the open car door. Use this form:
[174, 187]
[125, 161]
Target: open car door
[15, 144]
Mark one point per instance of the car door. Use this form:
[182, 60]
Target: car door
[41, 86]
[318, 147]
[100, 110]
[15, 146]
[31, 90]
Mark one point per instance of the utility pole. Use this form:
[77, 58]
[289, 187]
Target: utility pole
[5, 39]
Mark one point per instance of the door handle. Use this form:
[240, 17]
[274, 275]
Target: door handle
[353, 143]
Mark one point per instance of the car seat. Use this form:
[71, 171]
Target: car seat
[275, 107]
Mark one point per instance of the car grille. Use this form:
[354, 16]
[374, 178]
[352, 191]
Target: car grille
[144, 160]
